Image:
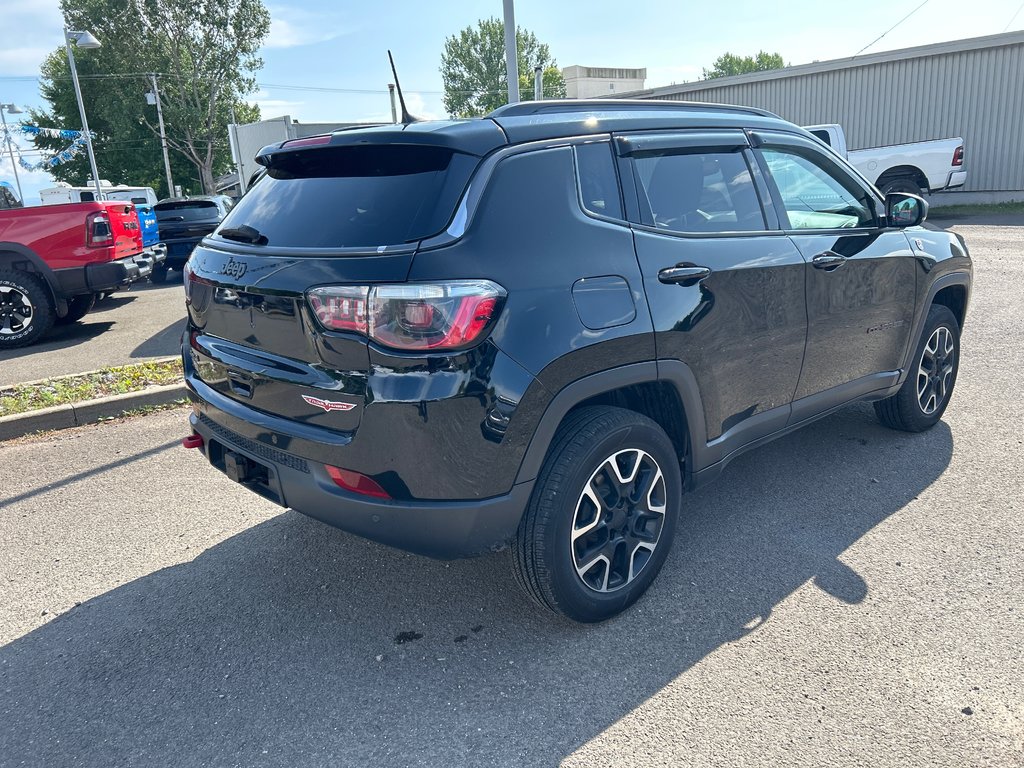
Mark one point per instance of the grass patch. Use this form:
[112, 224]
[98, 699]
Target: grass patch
[20, 398]
[952, 211]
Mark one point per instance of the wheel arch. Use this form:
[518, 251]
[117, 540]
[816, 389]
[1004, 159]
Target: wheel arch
[911, 172]
[662, 391]
[955, 298]
[18, 256]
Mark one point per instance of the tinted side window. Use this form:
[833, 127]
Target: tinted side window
[815, 193]
[700, 191]
[823, 137]
[599, 186]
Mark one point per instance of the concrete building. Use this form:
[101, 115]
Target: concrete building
[601, 82]
[247, 140]
[969, 88]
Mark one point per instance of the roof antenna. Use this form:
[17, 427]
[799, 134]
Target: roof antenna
[406, 117]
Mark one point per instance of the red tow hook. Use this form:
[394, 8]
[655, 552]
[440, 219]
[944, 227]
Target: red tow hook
[194, 440]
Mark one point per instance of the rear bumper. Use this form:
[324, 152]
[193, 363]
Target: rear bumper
[956, 179]
[440, 529]
[105, 276]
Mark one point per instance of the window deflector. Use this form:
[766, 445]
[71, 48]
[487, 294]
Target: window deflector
[685, 141]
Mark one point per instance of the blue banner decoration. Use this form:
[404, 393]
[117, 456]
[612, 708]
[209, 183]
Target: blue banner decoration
[77, 139]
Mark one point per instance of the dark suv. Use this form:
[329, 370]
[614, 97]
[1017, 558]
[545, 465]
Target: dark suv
[184, 222]
[539, 328]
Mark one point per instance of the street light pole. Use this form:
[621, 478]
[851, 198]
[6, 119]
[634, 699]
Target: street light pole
[83, 40]
[511, 52]
[163, 137]
[12, 109]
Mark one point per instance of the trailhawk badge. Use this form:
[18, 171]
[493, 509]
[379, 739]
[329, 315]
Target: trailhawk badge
[328, 405]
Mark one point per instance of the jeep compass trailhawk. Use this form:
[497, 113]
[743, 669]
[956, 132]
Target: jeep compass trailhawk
[539, 328]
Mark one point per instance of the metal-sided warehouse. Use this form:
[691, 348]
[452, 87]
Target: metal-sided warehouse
[970, 88]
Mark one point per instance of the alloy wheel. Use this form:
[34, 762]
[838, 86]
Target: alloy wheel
[618, 520]
[15, 310]
[935, 370]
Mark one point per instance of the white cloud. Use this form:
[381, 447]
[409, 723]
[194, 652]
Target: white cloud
[294, 27]
[30, 30]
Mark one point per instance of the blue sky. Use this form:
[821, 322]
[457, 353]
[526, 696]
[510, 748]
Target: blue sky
[342, 45]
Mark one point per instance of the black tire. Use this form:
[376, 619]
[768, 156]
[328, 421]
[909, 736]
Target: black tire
[78, 307]
[902, 184]
[925, 394]
[159, 274]
[26, 308]
[546, 555]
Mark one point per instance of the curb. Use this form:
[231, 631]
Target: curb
[87, 412]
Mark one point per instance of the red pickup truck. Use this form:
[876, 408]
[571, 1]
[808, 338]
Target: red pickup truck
[56, 259]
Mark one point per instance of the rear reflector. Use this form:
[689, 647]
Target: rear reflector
[356, 482]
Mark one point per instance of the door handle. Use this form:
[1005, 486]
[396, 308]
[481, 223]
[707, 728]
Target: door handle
[683, 275]
[829, 260]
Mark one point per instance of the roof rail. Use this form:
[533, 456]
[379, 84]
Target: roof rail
[554, 106]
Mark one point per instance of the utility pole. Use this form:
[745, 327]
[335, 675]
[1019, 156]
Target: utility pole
[394, 110]
[236, 152]
[511, 52]
[538, 83]
[163, 136]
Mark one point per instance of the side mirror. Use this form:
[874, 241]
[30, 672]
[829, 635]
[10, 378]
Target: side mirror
[903, 210]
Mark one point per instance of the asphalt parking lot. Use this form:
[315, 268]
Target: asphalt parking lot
[847, 596]
[130, 326]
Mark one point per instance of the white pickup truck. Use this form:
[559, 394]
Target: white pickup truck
[919, 168]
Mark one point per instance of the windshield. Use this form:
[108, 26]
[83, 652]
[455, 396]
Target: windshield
[336, 197]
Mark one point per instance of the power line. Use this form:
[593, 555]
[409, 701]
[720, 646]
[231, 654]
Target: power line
[1019, 9]
[890, 29]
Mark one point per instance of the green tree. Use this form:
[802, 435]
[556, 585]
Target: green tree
[473, 69]
[204, 52]
[729, 64]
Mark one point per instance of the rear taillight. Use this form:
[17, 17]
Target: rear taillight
[97, 229]
[415, 317]
[958, 156]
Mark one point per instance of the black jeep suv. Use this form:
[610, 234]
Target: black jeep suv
[539, 328]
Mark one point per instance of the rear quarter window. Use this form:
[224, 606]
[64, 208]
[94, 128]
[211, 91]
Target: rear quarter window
[362, 196]
[598, 182]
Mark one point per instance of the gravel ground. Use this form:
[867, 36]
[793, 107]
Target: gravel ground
[846, 596]
[128, 327]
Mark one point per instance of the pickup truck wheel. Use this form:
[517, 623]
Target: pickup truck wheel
[78, 307]
[602, 516]
[925, 394]
[904, 185]
[159, 274]
[26, 309]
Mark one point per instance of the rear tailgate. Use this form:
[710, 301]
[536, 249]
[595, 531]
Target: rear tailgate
[331, 216]
[255, 340]
[125, 228]
[147, 220]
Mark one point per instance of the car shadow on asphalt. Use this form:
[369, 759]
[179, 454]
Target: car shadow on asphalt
[62, 337]
[163, 343]
[292, 643]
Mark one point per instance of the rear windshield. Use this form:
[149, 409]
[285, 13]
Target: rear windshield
[187, 210]
[340, 197]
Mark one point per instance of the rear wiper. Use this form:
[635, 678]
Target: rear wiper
[244, 234]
